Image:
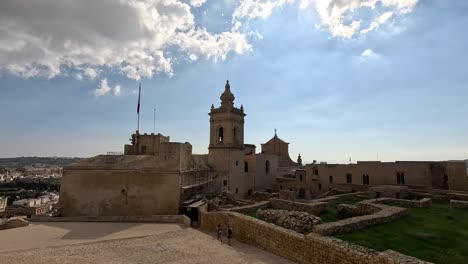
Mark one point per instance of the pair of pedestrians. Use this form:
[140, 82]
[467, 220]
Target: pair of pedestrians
[219, 233]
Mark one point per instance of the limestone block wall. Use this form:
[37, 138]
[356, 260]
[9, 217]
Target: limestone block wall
[311, 208]
[119, 193]
[312, 248]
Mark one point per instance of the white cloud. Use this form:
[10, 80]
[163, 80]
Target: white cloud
[116, 90]
[368, 53]
[334, 13]
[105, 89]
[250, 9]
[91, 73]
[49, 37]
[197, 3]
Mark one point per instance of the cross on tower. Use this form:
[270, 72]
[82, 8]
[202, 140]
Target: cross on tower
[275, 131]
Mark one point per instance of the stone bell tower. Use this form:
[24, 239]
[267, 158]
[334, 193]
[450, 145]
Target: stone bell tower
[226, 149]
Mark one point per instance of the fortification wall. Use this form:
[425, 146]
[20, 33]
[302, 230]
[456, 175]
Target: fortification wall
[312, 248]
[119, 193]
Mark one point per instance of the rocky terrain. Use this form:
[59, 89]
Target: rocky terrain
[301, 222]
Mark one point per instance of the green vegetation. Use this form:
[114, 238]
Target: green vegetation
[438, 234]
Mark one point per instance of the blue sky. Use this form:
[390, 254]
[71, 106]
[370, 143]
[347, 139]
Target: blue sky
[364, 79]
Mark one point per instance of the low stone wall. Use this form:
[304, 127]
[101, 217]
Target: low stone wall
[13, 222]
[339, 197]
[382, 214]
[458, 204]
[181, 219]
[422, 203]
[250, 208]
[311, 208]
[313, 248]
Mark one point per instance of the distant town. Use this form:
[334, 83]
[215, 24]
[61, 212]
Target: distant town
[30, 185]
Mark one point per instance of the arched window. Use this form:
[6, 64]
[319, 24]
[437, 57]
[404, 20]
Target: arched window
[220, 134]
[246, 166]
[267, 166]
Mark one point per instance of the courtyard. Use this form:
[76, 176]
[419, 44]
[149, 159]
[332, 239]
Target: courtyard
[437, 234]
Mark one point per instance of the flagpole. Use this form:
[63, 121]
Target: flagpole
[154, 121]
[138, 108]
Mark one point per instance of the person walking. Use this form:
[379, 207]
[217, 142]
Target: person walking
[219, 232]
[229, 234]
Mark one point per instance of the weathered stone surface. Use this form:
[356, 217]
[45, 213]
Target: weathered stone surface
[300, 222]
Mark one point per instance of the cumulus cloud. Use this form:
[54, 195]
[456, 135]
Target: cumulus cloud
[197, 3]
[116, 90]
[341, 19]
[137, 37]
[250, 9]
[105, 89]
[368, 53]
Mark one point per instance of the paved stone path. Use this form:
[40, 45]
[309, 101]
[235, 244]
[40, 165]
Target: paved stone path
[166, 244]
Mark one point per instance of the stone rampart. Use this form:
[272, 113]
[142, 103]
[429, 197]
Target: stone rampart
[458, 204]
[313, 248]
[311, 208]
